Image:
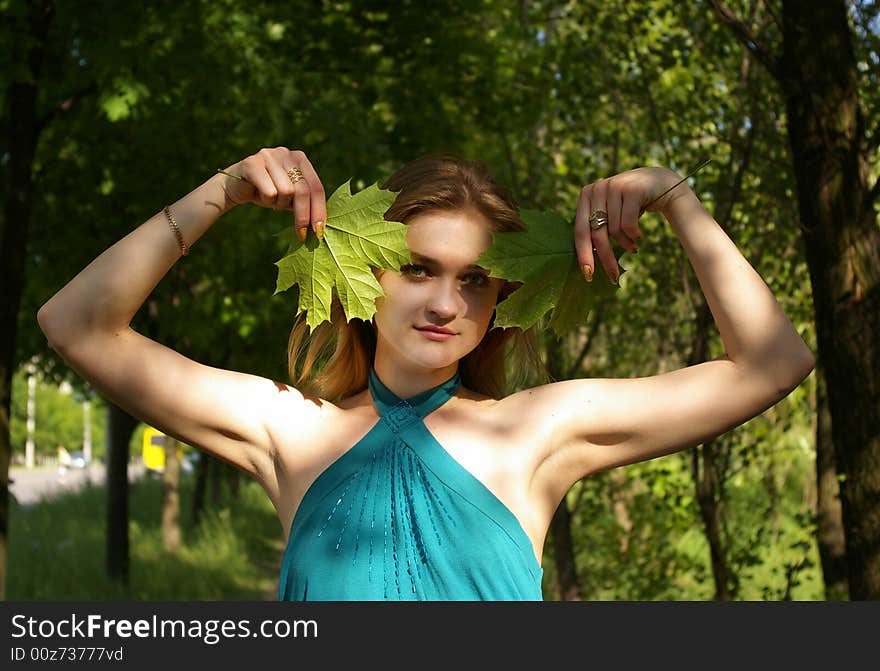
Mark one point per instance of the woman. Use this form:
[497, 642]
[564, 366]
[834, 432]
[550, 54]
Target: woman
[411, 477]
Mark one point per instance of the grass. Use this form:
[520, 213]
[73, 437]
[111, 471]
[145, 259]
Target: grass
[57, 548]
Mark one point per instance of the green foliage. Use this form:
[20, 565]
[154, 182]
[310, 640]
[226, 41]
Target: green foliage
[356, 239]
[58, 418]
[543, 258]
[552, 95]
[58, 549]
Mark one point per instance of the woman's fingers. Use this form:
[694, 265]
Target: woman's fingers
[265, 191]
[583, 244]
[618, 205]
[607, 210]
[284, 186]
[629, 220]
[317, 198]
[284, 179]
[600, 234]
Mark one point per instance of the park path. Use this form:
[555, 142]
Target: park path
[30, 485]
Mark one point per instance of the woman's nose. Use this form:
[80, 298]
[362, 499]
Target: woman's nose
[445, 300]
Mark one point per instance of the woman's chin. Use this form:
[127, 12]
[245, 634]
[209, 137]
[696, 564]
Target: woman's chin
[434, 356]
[421, 353]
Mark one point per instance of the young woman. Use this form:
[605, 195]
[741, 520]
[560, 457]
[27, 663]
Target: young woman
[401, 470]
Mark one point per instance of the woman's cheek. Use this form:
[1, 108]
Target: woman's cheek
[484, 305]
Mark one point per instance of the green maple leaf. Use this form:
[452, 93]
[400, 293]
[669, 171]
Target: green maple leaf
[356, 239]
[543, 258]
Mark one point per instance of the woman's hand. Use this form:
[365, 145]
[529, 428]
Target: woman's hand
[282, 179]
[618, 201]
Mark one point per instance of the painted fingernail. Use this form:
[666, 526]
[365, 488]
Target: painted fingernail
[588, 273]
[319, 229]
[302, 233]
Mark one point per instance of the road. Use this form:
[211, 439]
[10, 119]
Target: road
[30, 485]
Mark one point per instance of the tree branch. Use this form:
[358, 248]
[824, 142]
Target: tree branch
[591, 335]
[652, 106]
[749, 40]
[65, 105]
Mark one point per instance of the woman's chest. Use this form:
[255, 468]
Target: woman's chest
[464, 439]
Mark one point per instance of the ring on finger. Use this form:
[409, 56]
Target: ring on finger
[295, 175]
[598, 219]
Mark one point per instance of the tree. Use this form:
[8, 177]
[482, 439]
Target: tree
[101, 100]
[830, 95]
[551, 94]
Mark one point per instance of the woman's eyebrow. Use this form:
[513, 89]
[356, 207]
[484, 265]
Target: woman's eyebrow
[428, 261]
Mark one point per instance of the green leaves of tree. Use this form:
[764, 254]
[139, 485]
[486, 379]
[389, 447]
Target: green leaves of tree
[543, 258]
[356, 238]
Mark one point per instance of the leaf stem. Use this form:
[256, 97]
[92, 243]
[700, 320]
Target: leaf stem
[687, 176]
[229, 174]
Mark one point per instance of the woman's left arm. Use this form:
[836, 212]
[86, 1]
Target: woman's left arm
[597, 424]
[757, 335]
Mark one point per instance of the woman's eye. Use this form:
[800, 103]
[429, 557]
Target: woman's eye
[478, 279]
[414, 271]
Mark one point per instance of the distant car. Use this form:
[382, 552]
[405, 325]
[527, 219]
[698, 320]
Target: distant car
[78, 459]
[189, 462]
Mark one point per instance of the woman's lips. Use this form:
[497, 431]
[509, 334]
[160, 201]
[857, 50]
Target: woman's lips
[435, 335]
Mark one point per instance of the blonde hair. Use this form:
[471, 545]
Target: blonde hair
[334, 362]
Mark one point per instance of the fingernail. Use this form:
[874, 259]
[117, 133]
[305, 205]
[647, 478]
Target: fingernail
[615, 278]
[319, 229]
[302, 233]
[588, 273]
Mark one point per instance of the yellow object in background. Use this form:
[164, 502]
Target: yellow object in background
[153, 451]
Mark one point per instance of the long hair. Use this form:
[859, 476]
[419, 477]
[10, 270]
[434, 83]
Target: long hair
[334, 361]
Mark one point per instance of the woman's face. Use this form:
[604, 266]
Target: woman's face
[442, 289]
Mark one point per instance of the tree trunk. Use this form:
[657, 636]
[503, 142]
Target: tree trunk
[215, 480]
[706, 480]
[233, 480]
[826, 130]
[563, 554]
[198, 504]
[120, 426]
[560, 525]
[829, 531]
[171, 498]
[23, 129]
[620, 511]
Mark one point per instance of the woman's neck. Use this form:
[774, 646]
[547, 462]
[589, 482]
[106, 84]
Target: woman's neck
[406, 382]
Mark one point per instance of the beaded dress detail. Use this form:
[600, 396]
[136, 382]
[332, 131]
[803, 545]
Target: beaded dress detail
[396, 517]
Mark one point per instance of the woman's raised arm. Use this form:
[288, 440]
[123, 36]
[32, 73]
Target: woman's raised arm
[602, 423]
[88, 321]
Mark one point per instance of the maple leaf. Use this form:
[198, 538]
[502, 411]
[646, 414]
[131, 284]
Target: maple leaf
[543, 259]
[356, 239]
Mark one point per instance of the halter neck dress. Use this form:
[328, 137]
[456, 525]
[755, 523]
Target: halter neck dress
[397, 518]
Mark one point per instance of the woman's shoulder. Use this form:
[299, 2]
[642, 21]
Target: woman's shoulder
[550, 399]
[469, 401]
[301, 417]
[507, 410]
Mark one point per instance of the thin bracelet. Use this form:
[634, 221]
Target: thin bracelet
[177, 234]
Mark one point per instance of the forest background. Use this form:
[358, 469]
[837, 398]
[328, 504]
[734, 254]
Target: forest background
[111, 110]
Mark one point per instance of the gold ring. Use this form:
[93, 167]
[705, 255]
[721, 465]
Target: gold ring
[598, 219]
[295, 175]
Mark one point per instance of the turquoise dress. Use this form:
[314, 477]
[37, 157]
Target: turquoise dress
[397, 518]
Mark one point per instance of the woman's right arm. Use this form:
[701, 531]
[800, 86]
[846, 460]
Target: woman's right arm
[87, 322]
